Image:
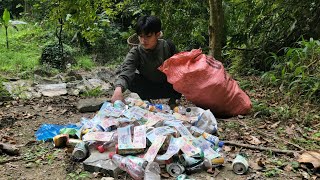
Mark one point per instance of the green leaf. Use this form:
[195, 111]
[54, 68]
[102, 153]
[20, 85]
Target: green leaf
[6, 17]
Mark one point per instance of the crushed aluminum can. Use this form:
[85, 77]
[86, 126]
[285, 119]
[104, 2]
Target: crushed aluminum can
[240, 165]
[175, 169]
[189, 161]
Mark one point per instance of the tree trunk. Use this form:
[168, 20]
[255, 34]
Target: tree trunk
[215, 28]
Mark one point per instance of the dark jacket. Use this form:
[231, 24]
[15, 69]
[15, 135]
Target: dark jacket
[146, 62]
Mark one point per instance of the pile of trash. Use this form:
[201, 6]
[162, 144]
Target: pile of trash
[141, 138]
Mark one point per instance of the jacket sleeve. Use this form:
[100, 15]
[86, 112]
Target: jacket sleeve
[128, 69]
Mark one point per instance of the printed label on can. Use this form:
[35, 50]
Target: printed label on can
[240, 165]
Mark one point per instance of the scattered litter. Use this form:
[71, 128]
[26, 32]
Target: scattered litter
[141, 138]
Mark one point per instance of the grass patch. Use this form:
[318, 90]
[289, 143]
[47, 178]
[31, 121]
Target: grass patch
[84, 62]
[95, 92]
[24, 50]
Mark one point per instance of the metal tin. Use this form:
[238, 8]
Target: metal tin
[217, 161]
[175, 169]
[60, 140]
[80, 151]
[240, 164]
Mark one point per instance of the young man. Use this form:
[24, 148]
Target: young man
[149, 83]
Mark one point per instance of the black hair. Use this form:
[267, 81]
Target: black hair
[148, 24]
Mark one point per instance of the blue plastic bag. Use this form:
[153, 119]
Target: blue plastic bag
[48, 131]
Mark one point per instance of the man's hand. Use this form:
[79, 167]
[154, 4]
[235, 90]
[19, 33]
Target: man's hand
[117, 95]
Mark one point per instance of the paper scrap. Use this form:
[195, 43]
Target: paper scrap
[98, 136]
[174, 147]
[188, 147]
[154, 148]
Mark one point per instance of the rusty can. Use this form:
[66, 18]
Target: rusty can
[60, 140]
[240, 165]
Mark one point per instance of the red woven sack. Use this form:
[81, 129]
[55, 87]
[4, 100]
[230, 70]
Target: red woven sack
[204, 81]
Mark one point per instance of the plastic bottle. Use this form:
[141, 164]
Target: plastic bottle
[214, 140]
[159, 107]
[219, 147]
[129, 164]
[207, 122]
[194, 111]
[152, 171]
[181, 110]
[219, 160]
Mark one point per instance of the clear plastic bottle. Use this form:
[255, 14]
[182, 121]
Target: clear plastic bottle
[159, 108]
[180, 109]
[219, 147]
[129, 164]
[214, 140]
[219, 160]
[152, 171]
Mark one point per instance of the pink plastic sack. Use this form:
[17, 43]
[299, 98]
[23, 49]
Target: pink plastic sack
[204, 81]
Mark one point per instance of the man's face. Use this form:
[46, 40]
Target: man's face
[149, 41]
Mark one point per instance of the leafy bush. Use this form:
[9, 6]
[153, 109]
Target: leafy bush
[54, 56]
[297, 71]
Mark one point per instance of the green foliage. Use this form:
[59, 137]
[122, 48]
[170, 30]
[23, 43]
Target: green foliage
[297, 71]
[24, 52]
[184, 22]
[95, 92]
[84, 62]
[75, 176]
[56, 57]
[4, 94]
[255, 28]
[272, 172]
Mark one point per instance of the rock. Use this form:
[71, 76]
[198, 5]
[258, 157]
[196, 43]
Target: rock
[95, 83]
[90, 104]
[75, 75]
[52, 89]
[100, 162]
[106, 75]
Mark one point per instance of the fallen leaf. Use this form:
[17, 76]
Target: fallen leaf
[216, 172]
[262, 126]
[227, 148]
[261, 162]
[254, 165]
[211, 170]
[254, 140]
[288, 168]
[289, 130]
[312, 157]
[275, 125]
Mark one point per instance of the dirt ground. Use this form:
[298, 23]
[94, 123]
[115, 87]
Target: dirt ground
[40, 160]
